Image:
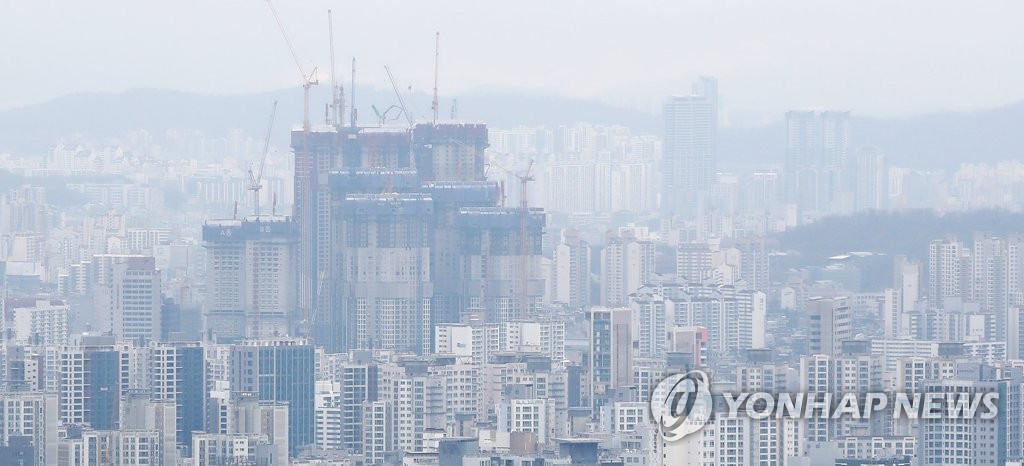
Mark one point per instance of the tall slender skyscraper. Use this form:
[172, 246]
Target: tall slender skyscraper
[802, 142]
[690, 148]
[817, 165]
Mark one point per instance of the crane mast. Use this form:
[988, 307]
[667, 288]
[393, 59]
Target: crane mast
[308, 80]
[398, 95]
[256, 178]
[434, 106]
[337, 92]
[524, 232]
[524, 238]
[352, 93]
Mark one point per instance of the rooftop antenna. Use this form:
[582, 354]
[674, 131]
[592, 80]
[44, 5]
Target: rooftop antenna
[455, 106]
[337, 92]
[434, 106]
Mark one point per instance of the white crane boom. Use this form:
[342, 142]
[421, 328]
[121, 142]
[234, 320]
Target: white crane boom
[256, 178]
[308, 80]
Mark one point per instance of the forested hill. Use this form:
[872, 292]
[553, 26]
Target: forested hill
[889, 233]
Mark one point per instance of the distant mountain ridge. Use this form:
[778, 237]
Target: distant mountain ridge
[35, 128]
[941, 140]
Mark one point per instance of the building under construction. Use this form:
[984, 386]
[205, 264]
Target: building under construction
[251, 264]
[399, 230]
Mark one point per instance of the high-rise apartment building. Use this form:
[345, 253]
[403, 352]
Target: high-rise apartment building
[627, 263]
[871, 180]
[89, 377]
[251, 276]
[344, 383]
[755, 265]
[570, 271]
[178, 376]
[279, 370]
[611, 351]
[817, 170]
[34, 416]
[694, 262]
[127, 296]
[733, 319]
[40, 322]
[379, 430]
[1015, 270]
[988, 273]
[418, 402]
[828, 324]
[690, 148]
[971, 440]
[947, 260]
[649, 311]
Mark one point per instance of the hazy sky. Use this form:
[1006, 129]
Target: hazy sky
[873, 57]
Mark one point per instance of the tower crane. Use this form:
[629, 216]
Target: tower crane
[337, 92]
[524, 237]
[398, 95]
[308, 80]
[256, 178]
[306, 276]
[524, 234]
[434, 105]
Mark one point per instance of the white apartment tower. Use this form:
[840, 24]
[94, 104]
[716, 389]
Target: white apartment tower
[946, 259]
[33, 415]
[627, 263]
[571, 271]
[127, 294]
[828, 321]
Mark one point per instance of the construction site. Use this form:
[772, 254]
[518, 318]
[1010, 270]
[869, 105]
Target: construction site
[399, 228]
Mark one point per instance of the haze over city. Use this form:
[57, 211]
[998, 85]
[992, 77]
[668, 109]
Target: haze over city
[883, 58]
[263, 233]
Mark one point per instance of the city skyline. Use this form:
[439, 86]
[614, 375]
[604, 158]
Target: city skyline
[390, 286]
